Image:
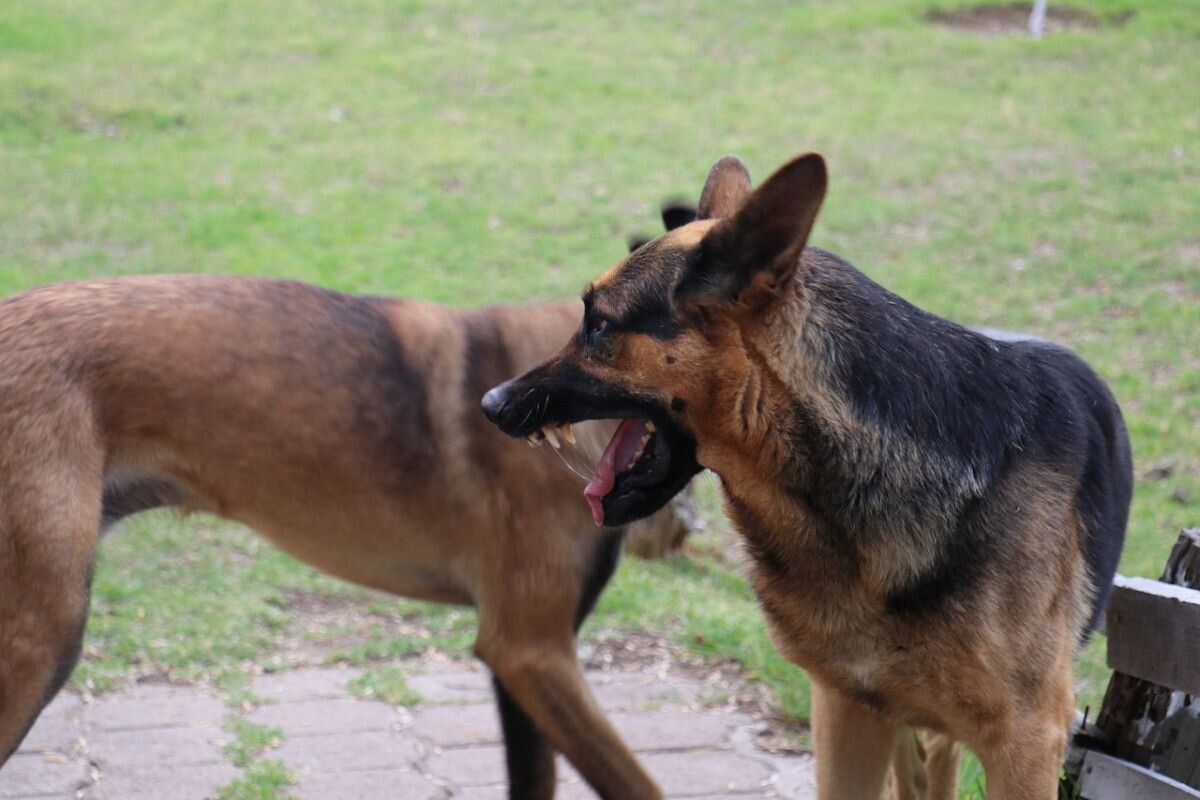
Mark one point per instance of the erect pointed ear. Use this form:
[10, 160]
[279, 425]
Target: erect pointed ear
[727, 187]
[750, 257]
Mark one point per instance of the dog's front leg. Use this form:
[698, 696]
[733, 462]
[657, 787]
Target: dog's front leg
[1027, 767]
[854, 746]
[1022, 752]
[1026, 764]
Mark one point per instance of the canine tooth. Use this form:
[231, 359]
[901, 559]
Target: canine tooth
[645, 439]
[649, 426]
[568, 433]
[550, 435]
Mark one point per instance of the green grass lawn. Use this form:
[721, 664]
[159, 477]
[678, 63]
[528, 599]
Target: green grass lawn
[500, 152]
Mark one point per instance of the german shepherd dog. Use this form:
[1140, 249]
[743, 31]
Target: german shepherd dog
[934, 515]
[344, 429]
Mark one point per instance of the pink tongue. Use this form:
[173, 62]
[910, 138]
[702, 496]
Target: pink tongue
[616, 457]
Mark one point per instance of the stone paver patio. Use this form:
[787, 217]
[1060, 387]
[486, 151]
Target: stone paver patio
[166, 742]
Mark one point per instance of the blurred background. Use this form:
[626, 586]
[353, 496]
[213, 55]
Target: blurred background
[475, 153]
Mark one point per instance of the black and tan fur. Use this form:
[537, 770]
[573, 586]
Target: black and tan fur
[934, 514]
[344, 429]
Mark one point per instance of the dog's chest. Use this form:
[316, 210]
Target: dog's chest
[826, 616]
[844, 641]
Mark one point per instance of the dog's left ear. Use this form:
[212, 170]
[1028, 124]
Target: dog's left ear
[749, 257]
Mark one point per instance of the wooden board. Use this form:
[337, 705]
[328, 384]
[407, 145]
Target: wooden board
[1107, 778]
[1154, 632]
[1145, 721]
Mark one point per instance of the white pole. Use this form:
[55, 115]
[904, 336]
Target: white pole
[1036, 18]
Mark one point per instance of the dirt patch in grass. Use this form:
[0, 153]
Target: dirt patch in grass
[1013, 18]
[323, 626]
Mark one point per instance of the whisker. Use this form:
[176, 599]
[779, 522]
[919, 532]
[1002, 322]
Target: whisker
[528, 413]
[563, 459]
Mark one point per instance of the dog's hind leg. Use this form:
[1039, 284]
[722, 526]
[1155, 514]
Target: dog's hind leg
[943, 756]
[924, 766]
[907, 779]
[532, 655]
[854, 746]
[529, 754]
[545, 679]
[49, 516]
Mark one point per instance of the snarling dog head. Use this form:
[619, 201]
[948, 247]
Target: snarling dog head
[668, 341]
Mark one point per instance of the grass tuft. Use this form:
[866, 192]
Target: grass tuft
[384, 683]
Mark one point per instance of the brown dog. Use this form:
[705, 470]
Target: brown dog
[344, 429]
[935, 514]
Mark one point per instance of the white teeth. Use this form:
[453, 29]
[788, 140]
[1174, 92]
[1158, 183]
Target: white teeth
[641, 449]
[568, 433]
[550, 435]
[650, 426]
[535, 439]
[531, 441]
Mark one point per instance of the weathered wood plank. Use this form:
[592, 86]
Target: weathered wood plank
[1137, 717]
[1107, 778]
[1154, 632]
[1176, 745]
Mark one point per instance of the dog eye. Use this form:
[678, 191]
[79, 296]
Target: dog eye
[594, 326]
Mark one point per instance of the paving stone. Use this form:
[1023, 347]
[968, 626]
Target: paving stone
[305, 684]
[327, 716]
[796, 776]
[348, 752]
[565, 791]
[154, 783]
[497, 791]
[57, 727]
[38, 775]
[500, 792]
[53, 735]
[155, 707]
[165, 742]
[369, 785]
[456, 726]
[159, 747]
[640, 692]
[469, 766]
[672, 730]
[574, 791]
[466, 686]
[700, 772]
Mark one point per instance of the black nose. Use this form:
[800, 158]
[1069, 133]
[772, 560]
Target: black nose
[493, 402]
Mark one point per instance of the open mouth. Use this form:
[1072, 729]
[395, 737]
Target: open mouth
[643, 467]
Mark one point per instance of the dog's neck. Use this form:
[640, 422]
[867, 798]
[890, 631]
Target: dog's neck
[876, 435]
